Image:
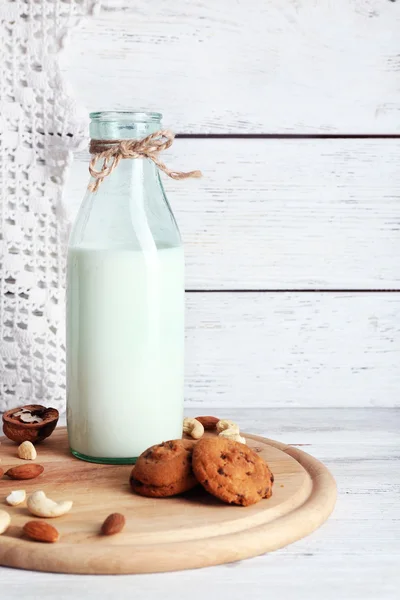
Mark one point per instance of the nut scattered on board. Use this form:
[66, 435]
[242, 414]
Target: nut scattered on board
[5, 521]
[25, 472]
[32, 423]
[226, 424]
[209, 423]
[16, 497]
[40, 531]
[113, 524]
[193, 428]
[27, 451]
[39, 505]
[230, 430]
[1, 473]
[232, 434]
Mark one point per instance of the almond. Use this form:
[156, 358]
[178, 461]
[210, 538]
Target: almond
[25, 472]
[40, 531]
[209, 423]
[1, 473]
[113, 524]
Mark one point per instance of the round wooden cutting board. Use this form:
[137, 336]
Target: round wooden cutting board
[189, 531]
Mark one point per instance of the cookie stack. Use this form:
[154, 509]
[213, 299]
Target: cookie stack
[227, 469]
[164, 470]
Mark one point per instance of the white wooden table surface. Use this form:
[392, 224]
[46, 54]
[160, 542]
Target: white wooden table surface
[354, 556]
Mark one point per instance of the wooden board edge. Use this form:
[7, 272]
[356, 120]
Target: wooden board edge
[199, 553]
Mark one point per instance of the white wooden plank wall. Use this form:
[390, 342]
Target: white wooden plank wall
[265, 66]
[293, 245]
[283, 214]
[282, 349]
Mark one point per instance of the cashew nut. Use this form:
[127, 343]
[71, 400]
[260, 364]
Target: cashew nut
[226, 424]
[39, 505]
[16, 497]
[27, 451]
[193, 427]
[232, 434]
[5, 521]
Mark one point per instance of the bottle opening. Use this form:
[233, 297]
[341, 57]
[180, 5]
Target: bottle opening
[123, 124]
[109, 116]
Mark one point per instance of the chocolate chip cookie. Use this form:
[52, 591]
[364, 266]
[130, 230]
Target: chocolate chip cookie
[231, 471]
[164, 470]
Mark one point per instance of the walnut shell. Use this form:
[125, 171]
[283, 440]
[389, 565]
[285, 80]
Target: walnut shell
[19, 432]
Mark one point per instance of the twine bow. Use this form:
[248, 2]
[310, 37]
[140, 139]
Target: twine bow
[111, 152]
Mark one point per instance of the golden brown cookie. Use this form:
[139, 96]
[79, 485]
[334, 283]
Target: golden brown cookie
[161, 491]
[231, 471]
[164, 470]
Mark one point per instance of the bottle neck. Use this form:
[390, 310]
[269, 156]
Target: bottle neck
[129, 209]
[136, 174]
[130, 172]
[129, 177]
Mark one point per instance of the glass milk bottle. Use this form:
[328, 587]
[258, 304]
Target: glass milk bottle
[125, 307]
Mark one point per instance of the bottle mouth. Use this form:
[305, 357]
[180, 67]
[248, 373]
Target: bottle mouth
[113, 116]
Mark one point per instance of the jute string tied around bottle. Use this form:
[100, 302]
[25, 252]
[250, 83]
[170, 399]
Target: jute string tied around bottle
[112, 151]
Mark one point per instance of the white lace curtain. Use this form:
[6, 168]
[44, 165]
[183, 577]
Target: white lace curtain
[39, 128]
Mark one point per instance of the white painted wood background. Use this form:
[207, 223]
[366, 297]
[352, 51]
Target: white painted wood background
[300, 66]
[310, 349]
[283, 213]
[271, 215]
